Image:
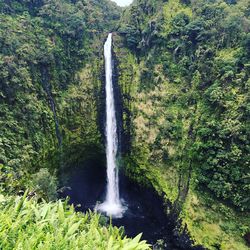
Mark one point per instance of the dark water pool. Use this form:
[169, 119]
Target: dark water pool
[145, 213]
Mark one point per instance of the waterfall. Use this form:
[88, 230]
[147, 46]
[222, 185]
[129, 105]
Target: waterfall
[112, 205]
[111, 129]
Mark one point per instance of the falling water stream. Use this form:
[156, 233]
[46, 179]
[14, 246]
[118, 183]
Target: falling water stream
[112, 206]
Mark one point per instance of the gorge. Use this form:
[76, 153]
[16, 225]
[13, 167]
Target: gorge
[137, 209]
[148, 125]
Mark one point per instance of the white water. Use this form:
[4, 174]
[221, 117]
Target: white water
[112, 205]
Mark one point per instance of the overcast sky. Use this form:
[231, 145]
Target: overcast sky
[123, 2]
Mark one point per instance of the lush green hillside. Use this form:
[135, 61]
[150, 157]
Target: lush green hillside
[185, 79]
[50, 63]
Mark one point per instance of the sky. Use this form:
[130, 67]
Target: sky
[123, 2]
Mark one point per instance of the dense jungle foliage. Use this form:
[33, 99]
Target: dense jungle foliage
[45, 50]
[202, 49]
[184, 70]
[187, 76]
[48, 119]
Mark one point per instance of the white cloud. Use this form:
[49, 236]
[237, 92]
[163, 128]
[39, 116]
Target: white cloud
[123, 2]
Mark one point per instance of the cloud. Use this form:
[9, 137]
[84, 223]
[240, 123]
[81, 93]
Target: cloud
[123, 2]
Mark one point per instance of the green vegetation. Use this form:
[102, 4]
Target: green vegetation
[26, 224]
[204, 66]
[189, 105]
[184, 70]
[49, 81]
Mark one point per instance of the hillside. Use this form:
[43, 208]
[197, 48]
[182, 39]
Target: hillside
[184, 70]
[50, 62]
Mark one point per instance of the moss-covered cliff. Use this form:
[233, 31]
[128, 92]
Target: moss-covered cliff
[50, 75]
[184, 77]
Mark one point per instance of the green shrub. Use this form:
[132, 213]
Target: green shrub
[27, 224]
[44, 184]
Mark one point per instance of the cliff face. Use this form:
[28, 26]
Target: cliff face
[50, 83]
[184, 80]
